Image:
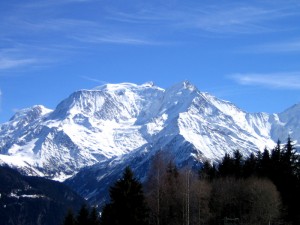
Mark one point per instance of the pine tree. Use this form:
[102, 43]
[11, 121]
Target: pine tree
[289, 159]
[127, 204]
[226, 167]
[250, 166]
[69, 219]
[276, 153]
[275, 171]
[265, 164]
[237, 163]
[93, 217]
[207, 171]
[83, 216]
[288, 182]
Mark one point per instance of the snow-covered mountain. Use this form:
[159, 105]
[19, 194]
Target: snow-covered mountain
[116, 121]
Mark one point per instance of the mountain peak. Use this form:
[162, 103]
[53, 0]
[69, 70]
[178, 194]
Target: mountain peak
[184, 85]
[123, 86]
[113, 87]
[149, 84]
[31, 112]
[187, 85]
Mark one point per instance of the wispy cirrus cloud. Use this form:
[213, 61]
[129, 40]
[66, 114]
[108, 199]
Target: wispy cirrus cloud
[9, 63]
[94, 80]
[125, 25]
[49, 30]
[41, 40]
[231, 18]
[78, 30]
[288, 46]
[25, 56]
[112, 38]
[288, 80]
[0, 100]
[47, 4]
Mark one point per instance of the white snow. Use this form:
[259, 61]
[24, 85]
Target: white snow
[15, 195]
[16, 160]
[113, 120]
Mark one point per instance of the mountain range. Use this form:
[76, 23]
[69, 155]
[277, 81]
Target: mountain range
[103, 129]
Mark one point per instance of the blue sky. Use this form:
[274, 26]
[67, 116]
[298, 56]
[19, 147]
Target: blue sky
[247, 52]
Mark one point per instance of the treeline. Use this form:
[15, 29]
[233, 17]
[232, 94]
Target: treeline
[281, 166]
[210, 197]
[259, 189]
[127, 206]
[85, 216]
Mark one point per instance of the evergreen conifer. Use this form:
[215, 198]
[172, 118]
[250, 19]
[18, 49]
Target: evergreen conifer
[128, 205]
[83, 216]
[69, 219]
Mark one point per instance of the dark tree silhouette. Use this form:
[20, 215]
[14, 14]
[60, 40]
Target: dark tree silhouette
[250, 166]
[207, 171]
[69, 219]
[128, 205]
[237, 163]
[94, 217]
[226, 167]
[83, 216]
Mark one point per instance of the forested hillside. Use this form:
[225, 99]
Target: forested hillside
[258, 189]
[34, 200]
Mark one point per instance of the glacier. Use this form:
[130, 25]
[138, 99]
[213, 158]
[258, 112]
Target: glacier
[116, 123]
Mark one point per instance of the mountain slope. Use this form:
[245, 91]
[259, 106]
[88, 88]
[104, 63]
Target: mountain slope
[115, 120]
[34, 200]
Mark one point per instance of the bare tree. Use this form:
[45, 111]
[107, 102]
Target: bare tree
[263, 202]
[252, 201]
[199, 201]
[154, 187]
[165, 191]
